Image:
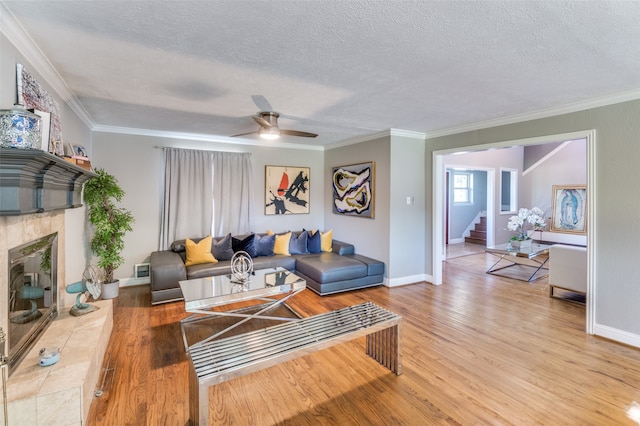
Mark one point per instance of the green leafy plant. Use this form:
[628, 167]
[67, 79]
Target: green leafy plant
[110, 223]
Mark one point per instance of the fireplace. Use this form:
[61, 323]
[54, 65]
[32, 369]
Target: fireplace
[32, 294]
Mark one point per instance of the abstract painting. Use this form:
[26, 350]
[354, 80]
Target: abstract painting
[33, 96]
[286, 190]
[568, 211]
[353, 189]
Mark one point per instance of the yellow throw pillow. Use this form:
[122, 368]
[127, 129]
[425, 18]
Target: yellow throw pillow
[282, 244]
[198, 253]
[270, 232]
[326, 241]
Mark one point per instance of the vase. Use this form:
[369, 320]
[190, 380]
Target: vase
[521, 245]
[19, 128]
[111, 290]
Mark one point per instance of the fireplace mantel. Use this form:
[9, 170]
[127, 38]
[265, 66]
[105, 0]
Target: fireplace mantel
[34, 181]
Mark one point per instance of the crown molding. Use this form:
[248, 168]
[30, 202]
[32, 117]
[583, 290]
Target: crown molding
[382, 134]
[544, 113]
[201, 137]
[408, 134]
[20, 38]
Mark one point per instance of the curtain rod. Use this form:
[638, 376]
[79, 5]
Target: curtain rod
[198, 149]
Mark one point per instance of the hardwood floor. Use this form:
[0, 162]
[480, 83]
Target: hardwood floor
[480, 349]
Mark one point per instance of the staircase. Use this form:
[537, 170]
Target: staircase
[479, 233]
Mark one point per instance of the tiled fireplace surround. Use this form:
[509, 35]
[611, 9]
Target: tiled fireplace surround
[62, 393]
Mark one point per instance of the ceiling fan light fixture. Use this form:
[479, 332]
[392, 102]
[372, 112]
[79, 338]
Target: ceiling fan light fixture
[271, 133]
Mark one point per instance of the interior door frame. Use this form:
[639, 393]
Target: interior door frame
[489, 207]
[439, 208]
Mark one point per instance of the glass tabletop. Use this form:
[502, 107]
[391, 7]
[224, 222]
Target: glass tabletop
[531, 251]
[202, 293]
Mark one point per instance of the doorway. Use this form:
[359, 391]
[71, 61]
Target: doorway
[439, 207]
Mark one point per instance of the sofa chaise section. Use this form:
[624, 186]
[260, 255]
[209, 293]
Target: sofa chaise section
[339, 270]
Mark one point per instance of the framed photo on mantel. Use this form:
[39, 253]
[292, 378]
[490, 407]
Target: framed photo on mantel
[568, 213]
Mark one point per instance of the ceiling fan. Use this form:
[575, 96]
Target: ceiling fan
[268, 121]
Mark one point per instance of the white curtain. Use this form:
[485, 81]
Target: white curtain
[195, 183]
[233, 193]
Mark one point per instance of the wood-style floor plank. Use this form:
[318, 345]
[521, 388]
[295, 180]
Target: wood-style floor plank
[480, 349]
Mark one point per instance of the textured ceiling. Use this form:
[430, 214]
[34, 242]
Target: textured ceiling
[337, 68]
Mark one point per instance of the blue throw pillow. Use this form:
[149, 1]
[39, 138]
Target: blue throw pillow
[298, 243]
[313, 242]
[245, 244]
[264, 245]
[222, 249]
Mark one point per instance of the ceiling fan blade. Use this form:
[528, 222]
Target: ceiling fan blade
[261, 121]
[298, 133]
[262, 103]
[243, 134]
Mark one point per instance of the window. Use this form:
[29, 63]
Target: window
[462, 187]
[508, 190]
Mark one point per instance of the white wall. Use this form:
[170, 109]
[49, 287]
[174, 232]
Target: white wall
[566, 165]
[136, 162]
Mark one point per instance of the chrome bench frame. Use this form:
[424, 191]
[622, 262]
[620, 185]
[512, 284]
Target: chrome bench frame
[225, 359]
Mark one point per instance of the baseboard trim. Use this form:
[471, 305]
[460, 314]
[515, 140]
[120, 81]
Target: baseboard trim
[128, 282]
[617, 335]
[411, 279]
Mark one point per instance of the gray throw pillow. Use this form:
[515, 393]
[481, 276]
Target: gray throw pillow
[222, 249]
[264, 244]
[298, 243]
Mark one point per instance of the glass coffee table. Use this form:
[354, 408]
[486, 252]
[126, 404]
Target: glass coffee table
[538, 254]
[265, 295]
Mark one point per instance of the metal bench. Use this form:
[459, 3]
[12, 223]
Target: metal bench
[225, 359]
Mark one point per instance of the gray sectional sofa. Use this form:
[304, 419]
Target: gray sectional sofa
[325, 272]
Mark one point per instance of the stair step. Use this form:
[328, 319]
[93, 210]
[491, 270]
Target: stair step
[478, 241]
[478, 234]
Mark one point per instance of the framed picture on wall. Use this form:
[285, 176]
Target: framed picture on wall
[568, 213]
[353, 189]
[286, 190]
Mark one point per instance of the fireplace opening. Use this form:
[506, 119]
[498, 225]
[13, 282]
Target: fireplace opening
[32, 294]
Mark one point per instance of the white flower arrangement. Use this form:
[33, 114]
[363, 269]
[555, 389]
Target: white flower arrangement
[526, 220]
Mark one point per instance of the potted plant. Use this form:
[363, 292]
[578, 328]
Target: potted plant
[526, 220]
[110, 224]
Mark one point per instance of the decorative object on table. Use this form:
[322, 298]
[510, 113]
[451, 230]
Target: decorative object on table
[286, 190]
[33, 95]
[569, 209]
[353, 189]
[19, 128]
[523, 223]
[47, 357]
[110, 224]
[90, 284]
[241, 267]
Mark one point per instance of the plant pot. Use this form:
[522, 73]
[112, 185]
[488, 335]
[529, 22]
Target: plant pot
[111, 290]
[521, 245]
